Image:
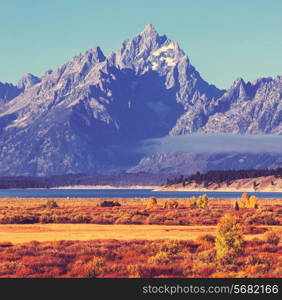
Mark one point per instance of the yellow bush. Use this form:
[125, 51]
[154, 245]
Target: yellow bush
[248, 201]
[171, 247]
[152, 203]
[191, 202]
[170, 204]
[253, 202]
[229, 238]
[161, 258]
[95, 267]
[202, 201]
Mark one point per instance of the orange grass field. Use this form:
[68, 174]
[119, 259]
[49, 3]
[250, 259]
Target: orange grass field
[82, 232]
[20, 233]
[79, 238]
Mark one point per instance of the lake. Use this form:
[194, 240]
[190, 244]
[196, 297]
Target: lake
[121, 193]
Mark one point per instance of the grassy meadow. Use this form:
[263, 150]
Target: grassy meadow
[140, 237]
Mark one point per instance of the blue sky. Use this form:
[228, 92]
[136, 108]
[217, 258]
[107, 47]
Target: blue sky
[223, 39]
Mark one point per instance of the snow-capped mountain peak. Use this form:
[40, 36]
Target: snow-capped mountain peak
[83, 115]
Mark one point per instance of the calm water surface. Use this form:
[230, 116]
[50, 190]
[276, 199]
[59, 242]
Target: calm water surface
[121, 193]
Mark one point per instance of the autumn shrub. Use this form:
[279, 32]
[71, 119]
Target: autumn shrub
[170, 247]
[261, 218]
[202, 201]
[262, 260]
[19, 218]
[207, 256]
[137, 258]
[126, 219]
[206, 238]
[236, 205]
[109, 203]
[170, 204]
[6, 244]
[229, 238]
[134, 270]
[187, 267]
[8, 267]
[247, 201]
[245, 197]
[95, 267]
[204, 270]
[191, 202]
[152, 203]
[156, 219]
[272, 237]
[160, 258]
[81, 219]
[138, 219]
[50, 204]
[45, 219]
[254, 230]
[257, 270]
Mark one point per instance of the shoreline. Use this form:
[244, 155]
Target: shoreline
[221, 190]
[103, 187]
[155, 189]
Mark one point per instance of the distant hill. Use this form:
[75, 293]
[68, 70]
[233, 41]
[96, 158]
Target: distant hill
[229, 181]
[258, 184]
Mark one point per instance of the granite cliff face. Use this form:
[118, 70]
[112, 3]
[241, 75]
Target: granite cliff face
[88, 115]
[7, 92]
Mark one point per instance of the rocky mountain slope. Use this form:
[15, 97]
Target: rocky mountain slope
[88, 115]
[7, 92]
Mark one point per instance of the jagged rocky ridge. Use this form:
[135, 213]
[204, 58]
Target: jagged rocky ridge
[88, 115]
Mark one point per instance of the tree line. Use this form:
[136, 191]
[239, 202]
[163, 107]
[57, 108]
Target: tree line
[124, 179]
[219, 176]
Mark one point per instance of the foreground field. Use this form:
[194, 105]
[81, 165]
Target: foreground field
[82, 238]
[137, 258]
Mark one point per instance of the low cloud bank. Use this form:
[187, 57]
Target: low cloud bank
[213, 143]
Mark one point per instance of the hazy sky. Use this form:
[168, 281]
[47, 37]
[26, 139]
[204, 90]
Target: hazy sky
[223, 39]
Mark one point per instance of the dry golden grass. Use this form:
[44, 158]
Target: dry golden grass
[83, 232]
[33, 202]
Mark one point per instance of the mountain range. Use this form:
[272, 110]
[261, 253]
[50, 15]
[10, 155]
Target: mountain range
[90, 114]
